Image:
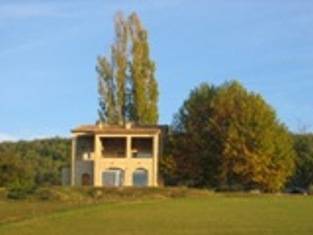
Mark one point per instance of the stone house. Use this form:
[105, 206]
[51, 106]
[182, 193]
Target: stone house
[115, 156]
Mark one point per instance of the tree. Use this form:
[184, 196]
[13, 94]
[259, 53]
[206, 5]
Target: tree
[232, 137]
[303, 177]
[13, 168]
[255, 150]
[39, 161]
[113, 76]
[127, 87]
[145, 92]
[191, 139]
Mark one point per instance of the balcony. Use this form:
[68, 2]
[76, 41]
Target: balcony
[113, 147]
[141, 147]
[116, 147]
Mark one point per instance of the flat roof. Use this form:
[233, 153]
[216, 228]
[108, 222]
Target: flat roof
[115, 129]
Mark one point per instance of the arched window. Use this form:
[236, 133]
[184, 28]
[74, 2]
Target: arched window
[140, 178]
[113, 177]
[86, 179]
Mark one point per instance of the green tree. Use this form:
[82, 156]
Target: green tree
[13, 168]
[191, 142]
[144, 85]
[40, 160]
[112, 78]
[229, 136]
[127, 87]
[303, 177]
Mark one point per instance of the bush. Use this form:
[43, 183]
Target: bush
[96, 193]
[310, 189]
[20, 189]
[3, 193]
[45, 194]
[230, 188]
[53, 194]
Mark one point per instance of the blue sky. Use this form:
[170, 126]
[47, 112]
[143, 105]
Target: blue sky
[48, 53]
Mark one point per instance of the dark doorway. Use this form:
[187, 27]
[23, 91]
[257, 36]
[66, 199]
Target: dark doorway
[86, 179]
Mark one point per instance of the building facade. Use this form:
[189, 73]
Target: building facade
[115, 156]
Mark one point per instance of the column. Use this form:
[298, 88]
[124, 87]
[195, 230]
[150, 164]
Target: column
[155, 159]
[73, 160]
[96, 162]
[128, 147]
[128, 168]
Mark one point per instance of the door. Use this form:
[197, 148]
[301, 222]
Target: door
[86, 179]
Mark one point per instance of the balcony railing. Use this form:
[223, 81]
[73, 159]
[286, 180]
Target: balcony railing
[113, 154]
[141, 154]
[87, 156]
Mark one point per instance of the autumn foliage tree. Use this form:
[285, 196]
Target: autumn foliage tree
[232, 137]
[257, 150]
[127, 86]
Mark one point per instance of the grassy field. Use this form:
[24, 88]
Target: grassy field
[212, 214]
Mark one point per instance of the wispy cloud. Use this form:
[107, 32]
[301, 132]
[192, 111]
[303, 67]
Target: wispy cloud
[161, 4]
[69, 9]
[31, 10]
[135, 5]
[39, 42]
[21, 47]
[22, 10]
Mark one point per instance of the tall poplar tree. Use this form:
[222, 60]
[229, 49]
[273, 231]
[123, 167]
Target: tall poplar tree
[128, 89]
[112, 76]
[145, 92]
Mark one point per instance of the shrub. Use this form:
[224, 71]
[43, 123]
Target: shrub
[55, 194]
[230, 188]
[95, 193]
[20, 189]
[45, 194]
[177, 193]
[3, 193]
[310, 189]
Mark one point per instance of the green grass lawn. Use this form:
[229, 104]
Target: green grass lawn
[213, 214]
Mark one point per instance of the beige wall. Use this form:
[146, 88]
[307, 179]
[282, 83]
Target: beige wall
[128, 166]
[98, 164]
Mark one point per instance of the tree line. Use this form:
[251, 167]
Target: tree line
[33, 163]
[184, 162]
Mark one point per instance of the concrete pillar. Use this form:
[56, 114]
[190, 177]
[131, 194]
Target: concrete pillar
[97, 158]
[128, 147]
[73, 160]
[155, 160]
[128, 169]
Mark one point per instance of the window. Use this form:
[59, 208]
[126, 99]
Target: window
[113, 147]
[142, 147]
[140, 178]
[113, 178]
